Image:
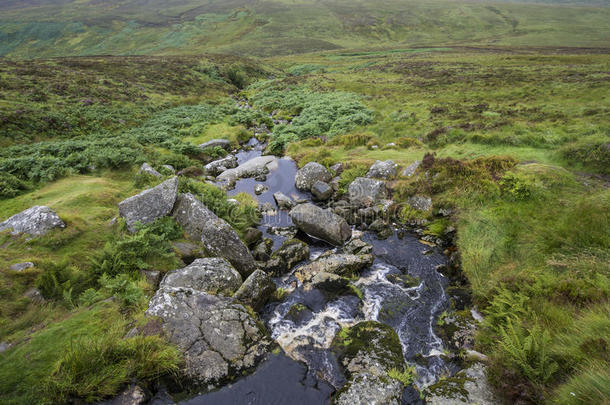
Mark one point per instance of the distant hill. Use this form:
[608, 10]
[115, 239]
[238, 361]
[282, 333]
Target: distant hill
[42, 28]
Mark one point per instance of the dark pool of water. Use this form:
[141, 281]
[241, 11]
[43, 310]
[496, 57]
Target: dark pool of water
[277, 381]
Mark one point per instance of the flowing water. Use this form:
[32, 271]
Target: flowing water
[402, 289]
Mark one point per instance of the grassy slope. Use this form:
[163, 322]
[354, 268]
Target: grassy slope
[277, 27]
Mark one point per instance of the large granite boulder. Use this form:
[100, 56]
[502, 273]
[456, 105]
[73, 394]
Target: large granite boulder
[320, 223]
[36, 221]
[341, 264]
[217, 236]
[382, 170]
[256, 290]
[251, 168]
[290, 253]
[309, 174]
[218, 166]
[365, 192]
[150, 204]
[219, 338]
[212, 275]
[223, 143]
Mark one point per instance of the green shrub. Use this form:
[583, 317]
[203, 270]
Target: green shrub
[10, 186]
[350, 175]
[593, 152]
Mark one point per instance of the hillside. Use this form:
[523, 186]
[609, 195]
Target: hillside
[279, 27]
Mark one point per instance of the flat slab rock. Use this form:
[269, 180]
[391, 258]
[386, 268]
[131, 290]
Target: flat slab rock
[212, 275]
[36, 221]
[149, 205]
[219, 337]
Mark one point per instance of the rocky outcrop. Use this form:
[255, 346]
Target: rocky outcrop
[345, 265]
[290, 253]
[219, 337]
[190, 213]
[148, 169]
[218, 166]
[469, 386]
[321, 191]
[309, 174]
[212, 275]
[251, 168]
[223, 143]
[420, 203]
[320, 223]
[365, 192]
[256, 290]
[35, 221]
[150, 204]
[382, 170]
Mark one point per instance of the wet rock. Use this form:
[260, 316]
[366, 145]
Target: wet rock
[468, 386]
[321, 191]
[218, 166]
[283, 201]
[132, 395]
[252, 236]
[365, 192]
[345, 265]
[162, 397]
[152, 277]
[212, 275]
[150, 204]
[256, 290]
[309, 174]
[36, 221]
[223, 143]
[260, 189]
[368, 389]
[21, 266]
[382, 170]
[188, 251]
[219, 337]
[329, 282]
[267, 209]
[190, 213]
[299, 314]
[148, 169]
[251, 168]
[35, 295]
[410, 170]
[262, 251]
[420, 203]
[290, 253]
[357, 246]
[322, 224]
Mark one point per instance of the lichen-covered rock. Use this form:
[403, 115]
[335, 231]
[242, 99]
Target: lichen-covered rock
[148, 169]
[223, 143]
[21, 266]
[365, 192]
[150, 204]
[321, 191]
[382, 170]
[218, 166]
[132, 395]
[357, 246]
[36, 221]
[219, 337]
[309, 174]
[468, 386]
[283, 201]
[368, 389]
[252, 236]
[190, 213]
[420, 203]
[410, 170]
[345, 265]
[290, 253]
[322, 224]
[211, 275]
[262, 251]
[256, 290]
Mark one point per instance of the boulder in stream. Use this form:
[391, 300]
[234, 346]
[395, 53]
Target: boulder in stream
[309, 174]
[283, 201]
[218, 166]
[321, 191]
[320, 223]
[36, 221]
[150, 204]
[255, 290]
[341, 264]
[365, 192]
[290, 253]
[254, 167]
